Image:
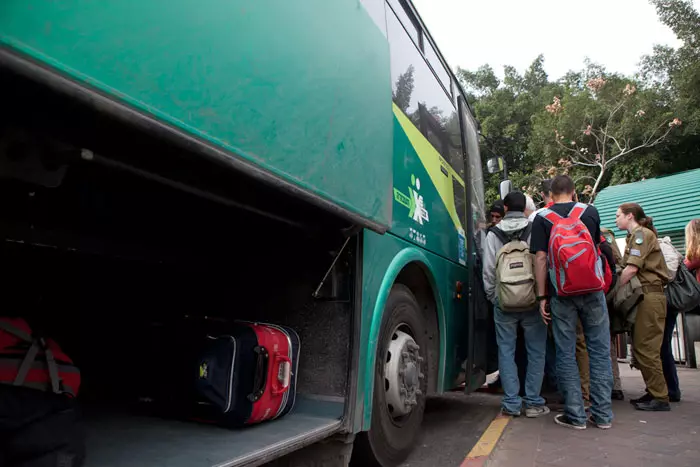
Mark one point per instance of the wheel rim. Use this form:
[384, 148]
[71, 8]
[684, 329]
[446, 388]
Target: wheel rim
[402, 374]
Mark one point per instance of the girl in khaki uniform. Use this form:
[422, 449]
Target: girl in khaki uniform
[643, 258]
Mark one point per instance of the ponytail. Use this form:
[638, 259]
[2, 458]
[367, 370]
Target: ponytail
[648, 222]
[639, 216]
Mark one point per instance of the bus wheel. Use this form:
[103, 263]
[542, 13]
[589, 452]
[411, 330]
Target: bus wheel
[399, 384]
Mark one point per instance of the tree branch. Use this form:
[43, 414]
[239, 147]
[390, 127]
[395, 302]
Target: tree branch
[614, 111]
[589, 162]
[617, 143]
[586, 164]
[646, 144]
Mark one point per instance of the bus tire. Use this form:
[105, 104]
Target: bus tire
[391, 438]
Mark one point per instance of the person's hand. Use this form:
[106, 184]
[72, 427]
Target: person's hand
[544, 311]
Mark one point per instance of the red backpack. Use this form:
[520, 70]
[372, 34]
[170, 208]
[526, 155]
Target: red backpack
[575, 267]
[34, 362]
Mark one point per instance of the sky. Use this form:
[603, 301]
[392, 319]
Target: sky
[614, 33]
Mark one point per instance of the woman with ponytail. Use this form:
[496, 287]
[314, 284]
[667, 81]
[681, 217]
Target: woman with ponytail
[643, 258]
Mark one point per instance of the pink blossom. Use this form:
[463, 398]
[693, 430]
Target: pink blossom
[675, 122]
[565, 163]
[587, 131]
[595, 84]
[640, 113]
[629, 90]
[555, 107]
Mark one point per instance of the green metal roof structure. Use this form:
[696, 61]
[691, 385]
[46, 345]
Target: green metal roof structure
[672, 201]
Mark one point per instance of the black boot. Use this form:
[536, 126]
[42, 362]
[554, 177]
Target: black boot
[653, 405]
[645, 398]
[618, 395]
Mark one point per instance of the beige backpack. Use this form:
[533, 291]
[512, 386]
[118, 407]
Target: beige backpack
[515, 272]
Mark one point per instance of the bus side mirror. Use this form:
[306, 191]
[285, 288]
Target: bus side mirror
[505, 188]
[494, 165]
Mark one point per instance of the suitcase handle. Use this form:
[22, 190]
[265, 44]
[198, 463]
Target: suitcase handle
[260, 380]
[283, 370]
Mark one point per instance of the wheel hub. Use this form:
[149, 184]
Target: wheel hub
[402, 374]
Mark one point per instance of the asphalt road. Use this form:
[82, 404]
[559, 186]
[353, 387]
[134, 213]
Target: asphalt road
[453, 424]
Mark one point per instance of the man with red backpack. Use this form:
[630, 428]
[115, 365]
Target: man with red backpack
[569, 271]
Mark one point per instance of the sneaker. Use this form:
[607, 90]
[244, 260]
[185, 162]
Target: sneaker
[563, 420]
[645, 398]
[536, 411]
[654, 405]
[618, 395]
[674, 398]
[509, 414]
[602, 426]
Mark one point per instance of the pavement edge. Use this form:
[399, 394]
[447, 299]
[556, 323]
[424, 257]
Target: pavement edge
[483, 448]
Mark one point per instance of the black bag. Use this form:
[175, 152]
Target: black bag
[213, 371]
[249, 374]
[39, 429]
[683, 294]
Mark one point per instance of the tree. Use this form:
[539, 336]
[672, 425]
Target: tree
[404, 89]
[505, 110]
[675, 74]
[479, 83]
[632, 134]
[595, 129]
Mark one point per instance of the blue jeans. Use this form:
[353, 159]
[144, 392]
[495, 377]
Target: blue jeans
[667, 359]
[593, 312]
[535, 333]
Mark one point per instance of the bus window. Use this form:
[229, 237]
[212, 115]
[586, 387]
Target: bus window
[407, 20]
[437, 65]
[420, 96]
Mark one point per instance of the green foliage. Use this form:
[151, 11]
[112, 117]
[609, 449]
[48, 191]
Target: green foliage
[513, 114]
[479, 83]
[676, 72]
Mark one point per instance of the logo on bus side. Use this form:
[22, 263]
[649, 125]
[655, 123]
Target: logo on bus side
[413, 201]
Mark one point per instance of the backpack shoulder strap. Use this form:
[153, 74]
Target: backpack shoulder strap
[525, 233]
[550, 215]
[500, 234]
[577, 211]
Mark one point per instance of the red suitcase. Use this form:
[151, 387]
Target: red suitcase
[248, 375]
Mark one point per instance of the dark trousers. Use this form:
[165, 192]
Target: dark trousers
[667, 360]
[550, 365]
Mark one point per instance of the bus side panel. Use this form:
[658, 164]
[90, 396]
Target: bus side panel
[425, 212]
[301, 89]
[384, 256]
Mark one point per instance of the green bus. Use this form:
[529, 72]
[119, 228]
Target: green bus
[311, 163]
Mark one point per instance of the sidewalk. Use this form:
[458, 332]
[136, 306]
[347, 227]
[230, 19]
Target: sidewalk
[640, 439]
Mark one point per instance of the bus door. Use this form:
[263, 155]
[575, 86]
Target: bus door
[483, 356]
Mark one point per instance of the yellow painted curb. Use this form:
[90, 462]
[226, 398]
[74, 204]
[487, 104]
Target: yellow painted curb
[487, 442]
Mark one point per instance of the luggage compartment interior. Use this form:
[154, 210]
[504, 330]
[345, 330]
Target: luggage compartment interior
[136, 231]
